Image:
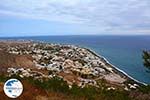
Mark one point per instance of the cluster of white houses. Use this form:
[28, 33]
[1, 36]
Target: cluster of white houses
[62, 58]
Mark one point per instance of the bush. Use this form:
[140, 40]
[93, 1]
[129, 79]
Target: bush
[55, 84]
[88, 92]
[3, 78]
[145, 89]
[116, 95]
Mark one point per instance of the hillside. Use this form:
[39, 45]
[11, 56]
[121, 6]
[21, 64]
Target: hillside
[64, 72]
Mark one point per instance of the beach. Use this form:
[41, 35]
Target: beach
[116, 68]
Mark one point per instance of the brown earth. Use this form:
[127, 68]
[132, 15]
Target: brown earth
[11, 60]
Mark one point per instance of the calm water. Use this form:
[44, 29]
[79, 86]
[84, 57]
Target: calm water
[125, 52]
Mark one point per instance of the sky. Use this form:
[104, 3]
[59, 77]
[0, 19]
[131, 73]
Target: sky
[74, 17]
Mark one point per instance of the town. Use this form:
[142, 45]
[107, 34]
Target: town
[75, 65]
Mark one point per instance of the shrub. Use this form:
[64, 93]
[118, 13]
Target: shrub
[145, 89]
[54, 84]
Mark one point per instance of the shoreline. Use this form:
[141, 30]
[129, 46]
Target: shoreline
[114, 67]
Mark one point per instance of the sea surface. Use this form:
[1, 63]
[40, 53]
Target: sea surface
[125, 52]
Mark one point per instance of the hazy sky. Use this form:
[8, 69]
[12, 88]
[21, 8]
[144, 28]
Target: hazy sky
[67, 17]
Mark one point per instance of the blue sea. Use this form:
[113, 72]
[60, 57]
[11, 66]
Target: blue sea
[125, 52]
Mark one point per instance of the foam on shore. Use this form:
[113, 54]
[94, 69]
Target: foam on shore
[116, 67]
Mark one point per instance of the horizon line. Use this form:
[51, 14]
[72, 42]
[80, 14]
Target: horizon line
[15, 36]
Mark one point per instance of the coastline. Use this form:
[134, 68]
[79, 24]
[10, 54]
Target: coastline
[115, 68]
